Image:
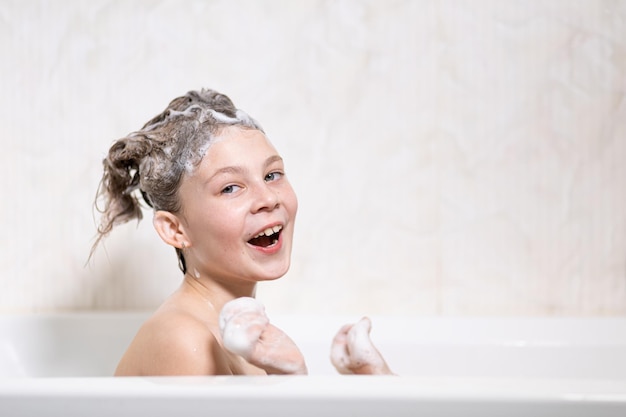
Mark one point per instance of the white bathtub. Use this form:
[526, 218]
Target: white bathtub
[61, 365]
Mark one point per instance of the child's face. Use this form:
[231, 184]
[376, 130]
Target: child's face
[238, 192]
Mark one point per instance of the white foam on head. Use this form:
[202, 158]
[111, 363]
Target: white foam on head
[222, 118]
[247, 120]
[196, 113]
[216, 138]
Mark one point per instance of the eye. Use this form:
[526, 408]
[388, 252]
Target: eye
[273, 176]
[230, 189]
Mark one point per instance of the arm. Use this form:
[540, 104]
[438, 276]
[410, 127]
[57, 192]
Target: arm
[174, 346]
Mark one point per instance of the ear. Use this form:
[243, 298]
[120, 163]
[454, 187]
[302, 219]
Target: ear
[169, 227]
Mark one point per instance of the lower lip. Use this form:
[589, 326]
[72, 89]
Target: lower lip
[270, 250]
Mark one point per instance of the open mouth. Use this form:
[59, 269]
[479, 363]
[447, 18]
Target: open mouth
[267, 238]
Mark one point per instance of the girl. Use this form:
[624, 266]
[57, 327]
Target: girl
[221, 198]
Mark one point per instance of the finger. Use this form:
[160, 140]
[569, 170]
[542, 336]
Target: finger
[339, 350]
[359, 342]
[241, 333]
[342, 334]
[238, 306]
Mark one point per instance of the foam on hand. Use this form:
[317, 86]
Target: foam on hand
[247, 332]
[353, 350]
[242, 321]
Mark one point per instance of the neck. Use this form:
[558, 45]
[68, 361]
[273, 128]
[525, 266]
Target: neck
[216, 293]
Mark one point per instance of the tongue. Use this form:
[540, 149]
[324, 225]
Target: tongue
[263, 241]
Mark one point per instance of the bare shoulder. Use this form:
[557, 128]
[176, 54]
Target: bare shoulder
[174, 343]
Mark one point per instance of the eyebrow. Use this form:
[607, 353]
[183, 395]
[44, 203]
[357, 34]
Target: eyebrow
[238, 170]
[269, 161]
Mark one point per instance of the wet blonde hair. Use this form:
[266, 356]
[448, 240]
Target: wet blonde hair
[149, 164]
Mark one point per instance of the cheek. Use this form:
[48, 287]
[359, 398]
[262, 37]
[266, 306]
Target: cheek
[218, 227]
[294, 205]
[291, 200]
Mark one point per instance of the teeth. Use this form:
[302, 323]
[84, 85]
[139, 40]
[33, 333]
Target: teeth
[270, 231]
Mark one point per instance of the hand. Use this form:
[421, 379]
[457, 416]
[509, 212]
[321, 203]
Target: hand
[352, 351]
[247, 332]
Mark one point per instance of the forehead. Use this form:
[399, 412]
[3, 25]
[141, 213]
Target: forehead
[238, 147]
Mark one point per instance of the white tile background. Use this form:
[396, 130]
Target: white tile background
[450, 157]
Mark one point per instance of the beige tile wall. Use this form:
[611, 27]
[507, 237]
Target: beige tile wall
[450, 157]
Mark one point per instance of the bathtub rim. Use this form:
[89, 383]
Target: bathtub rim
[391, 387]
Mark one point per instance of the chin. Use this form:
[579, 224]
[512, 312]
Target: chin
[275, 274]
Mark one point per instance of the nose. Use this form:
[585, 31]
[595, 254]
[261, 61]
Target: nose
[265, 199]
